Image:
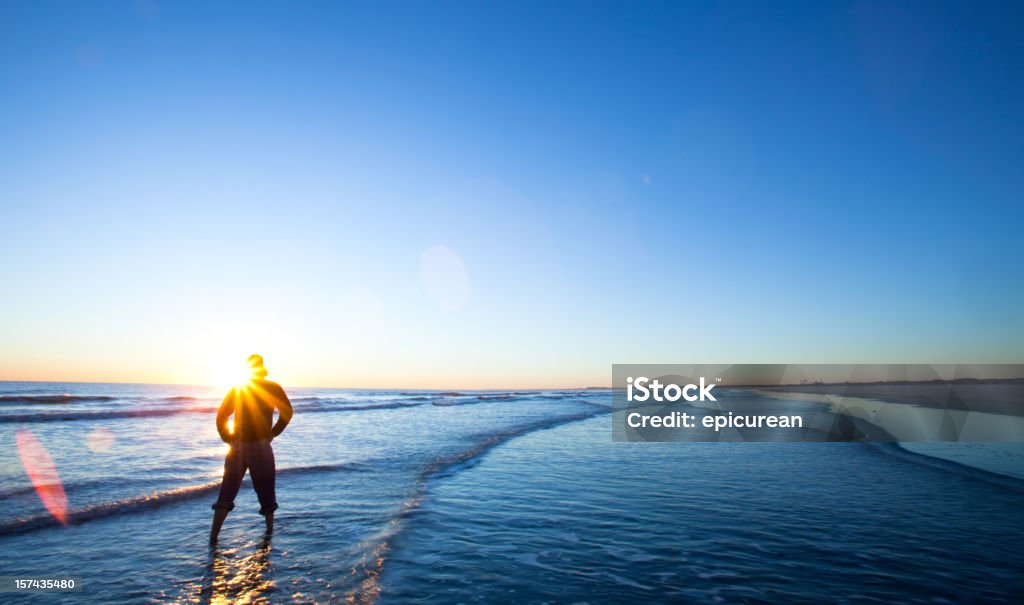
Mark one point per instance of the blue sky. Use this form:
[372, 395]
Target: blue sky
[468, 194]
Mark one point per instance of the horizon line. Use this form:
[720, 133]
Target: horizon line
[184, 384]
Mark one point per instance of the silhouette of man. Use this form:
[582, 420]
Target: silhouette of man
[253, 406]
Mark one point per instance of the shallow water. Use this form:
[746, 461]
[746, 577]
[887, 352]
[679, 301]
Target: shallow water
[561, 516]
[485, 496]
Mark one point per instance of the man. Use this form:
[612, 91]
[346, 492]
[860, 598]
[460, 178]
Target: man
[253, 406]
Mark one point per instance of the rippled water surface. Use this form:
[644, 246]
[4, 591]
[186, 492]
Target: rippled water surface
[484, 497]
[562, 516]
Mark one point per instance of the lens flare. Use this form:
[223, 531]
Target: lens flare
[100, 440]
[444, 277]
[43, 474]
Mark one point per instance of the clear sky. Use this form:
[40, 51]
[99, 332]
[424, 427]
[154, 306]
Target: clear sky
[506, 195]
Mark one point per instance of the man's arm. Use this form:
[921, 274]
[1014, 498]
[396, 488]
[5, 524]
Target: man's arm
[227, 408]
[284, 412]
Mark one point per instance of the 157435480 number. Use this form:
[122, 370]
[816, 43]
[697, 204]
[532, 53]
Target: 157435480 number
[40, 583]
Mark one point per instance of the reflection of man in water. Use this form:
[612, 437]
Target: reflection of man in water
[253, 406]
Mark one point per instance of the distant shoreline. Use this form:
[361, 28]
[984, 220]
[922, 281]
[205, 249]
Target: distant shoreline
[934, 381]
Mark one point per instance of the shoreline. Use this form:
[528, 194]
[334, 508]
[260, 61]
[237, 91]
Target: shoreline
[985, 440]
[1003, 399]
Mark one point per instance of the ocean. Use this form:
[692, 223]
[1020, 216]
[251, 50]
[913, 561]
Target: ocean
[486, 496]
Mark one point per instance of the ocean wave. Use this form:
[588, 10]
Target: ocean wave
[108, 509]
[376, 548]
[473, 401]
[449, 403]
[387, 405]
[149, 501]
[68, 416]
[334, 405]
[50, 399]
[103, 415]
[23, 490]
[464, 400]
[180, 398]
[379, 406]
[445, 466]
[428, 396]
[75, 487]
[958, 468]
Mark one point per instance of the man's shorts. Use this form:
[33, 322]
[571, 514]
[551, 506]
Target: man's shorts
[258, 458]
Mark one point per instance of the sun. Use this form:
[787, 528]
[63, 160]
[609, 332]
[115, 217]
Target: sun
[230, 375]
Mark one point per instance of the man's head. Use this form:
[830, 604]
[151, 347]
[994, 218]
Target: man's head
[256, 366]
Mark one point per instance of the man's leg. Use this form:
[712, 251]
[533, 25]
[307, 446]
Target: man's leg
[263, 472]
[219, 514]
[234, 471]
